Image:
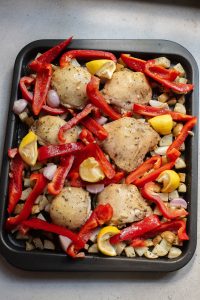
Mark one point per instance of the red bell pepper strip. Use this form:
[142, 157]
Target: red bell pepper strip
[104, 163]
[86, 137]
[12, 152]
[139, 65]
[140, 182]
[173, 154]
[174, 225]
[51, 54]
[55, 187]
[24, 83]
[100, 215]
[15, 182]
[54, 110]
[182, 88]
[138, 242]
[98, 130]
[38, 224]
[182, 135]
[74, 121]
[85, 54]
[42, 84]
[39, 187]
[116, 179]
[75, 180]
[152, 163]
[148, 193]
[96, 98]
[133, 63]
[50, 151]
[137, 229]
[149, 111]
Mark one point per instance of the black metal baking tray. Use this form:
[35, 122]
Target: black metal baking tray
[45, 261]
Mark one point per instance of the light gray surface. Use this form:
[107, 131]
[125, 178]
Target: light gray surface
[24, 21]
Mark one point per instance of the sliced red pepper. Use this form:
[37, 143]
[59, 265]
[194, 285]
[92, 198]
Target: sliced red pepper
[116, 179]
[55, 187]
[38, 224]
[182, 135]
[137, 229]
[86, 137]
[104, 163]
[140, 182]
[139, 65]
[50, 151]
[86, 55]
[42, 84]
[75, 180]
[134, 63]
[39, 187]
[98, 130]
[51, 54]
[12, 152]
[24, 83]
[149, 111]
[174, 225]
[182, 88]
[54, 111]
[148, 193]
[15, 182]
[96, 98]
[74, 121]
[152, 163]
[173, 154]
[100, 215]
[138, 242]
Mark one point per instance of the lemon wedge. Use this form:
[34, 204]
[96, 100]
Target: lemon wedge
[28, 148]
[162, 124]
[90, 170]
[103, 68]
[103, 240]
[170, 180]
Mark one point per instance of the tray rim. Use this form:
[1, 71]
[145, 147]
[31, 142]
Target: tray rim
[93, 263]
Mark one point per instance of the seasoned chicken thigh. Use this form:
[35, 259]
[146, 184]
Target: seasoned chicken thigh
[70, 83]
[71, 207]
[128, 142]
[126, 201]
[46, 128]
[127, 87]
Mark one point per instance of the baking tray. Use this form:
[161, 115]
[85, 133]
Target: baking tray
[37, 260]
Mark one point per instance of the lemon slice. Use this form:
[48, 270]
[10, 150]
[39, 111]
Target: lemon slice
[170, 180]
[103, 240]
[90, 170]
[162, 124]
[28, 148]
[103, 68]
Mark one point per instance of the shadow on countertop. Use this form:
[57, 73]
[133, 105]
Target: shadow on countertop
[189, 3]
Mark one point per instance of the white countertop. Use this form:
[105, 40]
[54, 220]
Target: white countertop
[23, 21]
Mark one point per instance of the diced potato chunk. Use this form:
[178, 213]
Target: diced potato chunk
[38, 243]
[180, 108]
[163, 97]
[182, 177]
[168, 236]
[180, 163]
[49, 245]
[141, 250]
[29, 246]
[163, 61]
[180, 69]
[93, 249]
[130, 252]
[150, 255]
[120, 248]
[174, 252]
[182, 188]
[25, 194]
[166, 140]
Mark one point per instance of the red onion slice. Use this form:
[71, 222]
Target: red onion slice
[64, 242]
[19, 106]
[102, 120]
[53, 98]
[49, 171]
[179, 202]
[95, 188]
